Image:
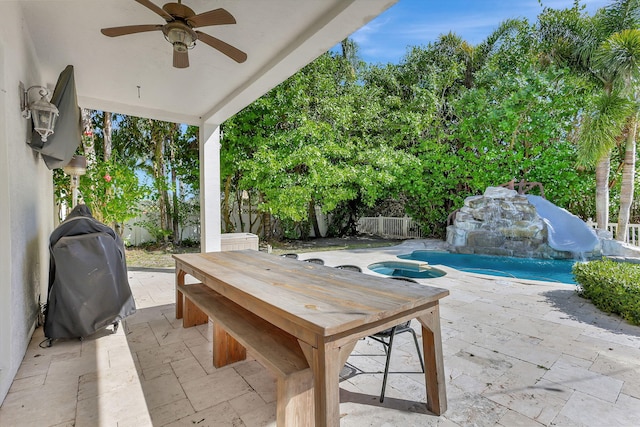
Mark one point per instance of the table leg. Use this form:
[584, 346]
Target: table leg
[192, 315]
[226, 349]
[433, 361]
[326, 371]
[179, 297]
[294, 402]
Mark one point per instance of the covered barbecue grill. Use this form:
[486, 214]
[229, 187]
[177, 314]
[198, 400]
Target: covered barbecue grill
[88, 286]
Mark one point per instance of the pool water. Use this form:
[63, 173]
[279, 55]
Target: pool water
[399, 269]
[521, 268]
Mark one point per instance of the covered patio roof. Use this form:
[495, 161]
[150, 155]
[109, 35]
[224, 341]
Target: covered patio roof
[133, 74]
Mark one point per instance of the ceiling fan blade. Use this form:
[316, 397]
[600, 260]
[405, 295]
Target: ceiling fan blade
[156, 9]
[180, 59]
[213, 17]
[233, 53]
[129, 29]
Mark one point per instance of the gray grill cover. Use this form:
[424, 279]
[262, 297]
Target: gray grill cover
[88, 286]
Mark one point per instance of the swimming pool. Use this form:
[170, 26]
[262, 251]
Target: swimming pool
[521, 268]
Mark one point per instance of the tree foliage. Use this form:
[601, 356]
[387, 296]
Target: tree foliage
[606, 49]
[110, 187]
[143, 161]
[446, 122]
[315, 140]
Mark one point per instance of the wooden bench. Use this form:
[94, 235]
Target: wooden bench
[274, 348]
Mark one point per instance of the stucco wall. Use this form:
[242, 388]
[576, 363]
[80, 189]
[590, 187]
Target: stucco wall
[26, 200]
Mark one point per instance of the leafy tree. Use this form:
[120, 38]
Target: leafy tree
[167, 154]
[620, 56]
[517, 127]
[312, 141]
[492, 114]
[113, 193]
[110, 188]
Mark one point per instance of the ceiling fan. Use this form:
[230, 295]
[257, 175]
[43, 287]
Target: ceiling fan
[179, 30]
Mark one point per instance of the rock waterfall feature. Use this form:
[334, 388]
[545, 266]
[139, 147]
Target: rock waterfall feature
[503, 222]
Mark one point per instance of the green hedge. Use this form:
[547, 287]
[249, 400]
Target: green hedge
[613, 287]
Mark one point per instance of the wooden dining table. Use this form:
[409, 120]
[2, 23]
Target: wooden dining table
[326, 309]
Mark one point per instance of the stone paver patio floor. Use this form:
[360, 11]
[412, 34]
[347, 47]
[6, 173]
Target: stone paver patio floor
[516, 353]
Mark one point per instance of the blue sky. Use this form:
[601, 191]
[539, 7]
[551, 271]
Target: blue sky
[418, 22]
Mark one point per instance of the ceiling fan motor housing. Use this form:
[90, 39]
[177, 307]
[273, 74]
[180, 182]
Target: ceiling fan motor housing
[180, 35]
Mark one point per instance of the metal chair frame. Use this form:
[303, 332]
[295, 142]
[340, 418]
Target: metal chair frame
[388, 345]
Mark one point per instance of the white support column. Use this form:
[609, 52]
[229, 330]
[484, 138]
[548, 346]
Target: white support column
[210, 188]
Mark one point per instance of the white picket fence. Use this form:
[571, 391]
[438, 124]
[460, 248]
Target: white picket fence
[395, 228]
[612, 227]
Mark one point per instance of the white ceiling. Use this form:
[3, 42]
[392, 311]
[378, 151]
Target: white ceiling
[279, 37]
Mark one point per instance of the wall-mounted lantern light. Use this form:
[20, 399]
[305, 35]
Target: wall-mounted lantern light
[43, 113]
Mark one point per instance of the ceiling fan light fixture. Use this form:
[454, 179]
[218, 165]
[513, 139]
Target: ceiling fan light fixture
[180, 36]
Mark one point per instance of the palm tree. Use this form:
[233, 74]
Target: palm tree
[620, 56]
[601, 47]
